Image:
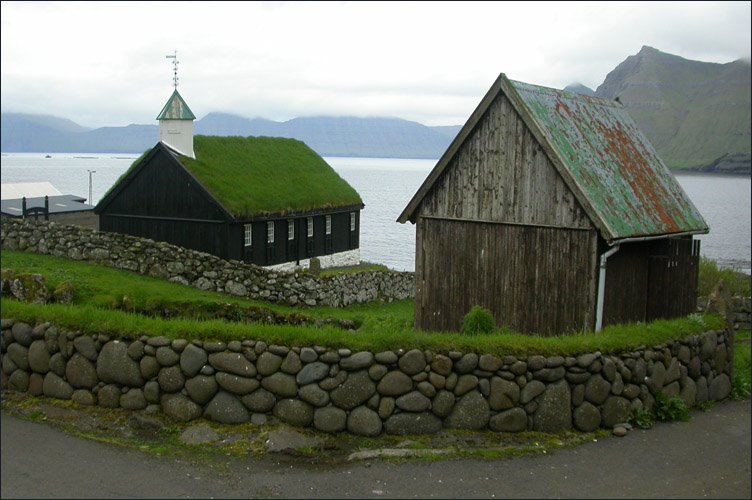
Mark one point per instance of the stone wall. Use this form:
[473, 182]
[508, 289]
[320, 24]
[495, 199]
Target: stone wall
[202, 270]
[365, 393]
[740, 311]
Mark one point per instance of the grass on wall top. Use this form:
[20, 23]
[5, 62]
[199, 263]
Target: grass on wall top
[384, 326]
[254, 176]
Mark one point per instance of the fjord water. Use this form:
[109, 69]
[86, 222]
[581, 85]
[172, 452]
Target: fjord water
[387, 185]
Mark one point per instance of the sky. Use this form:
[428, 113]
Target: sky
[104, 63]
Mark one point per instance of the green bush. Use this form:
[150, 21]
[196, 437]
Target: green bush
[642, 418]
[741, 385]
[478, 320]
[710, 274]
[672, 408]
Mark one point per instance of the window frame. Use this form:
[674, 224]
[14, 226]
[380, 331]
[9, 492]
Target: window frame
[309, 226]
[290, 229]
[328, 225]
[248, 235]
[270, 231]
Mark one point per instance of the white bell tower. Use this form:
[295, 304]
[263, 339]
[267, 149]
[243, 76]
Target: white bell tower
[176, 119]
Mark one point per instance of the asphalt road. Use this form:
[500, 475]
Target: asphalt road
[706, 457]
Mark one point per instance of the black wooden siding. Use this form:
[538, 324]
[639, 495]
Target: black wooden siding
[302, 247]
[533, 279]
[652, 280]
[163, 202]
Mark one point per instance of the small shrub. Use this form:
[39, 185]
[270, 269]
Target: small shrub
[668, 409]
[710, 274]
[478, 320]
[642, 418]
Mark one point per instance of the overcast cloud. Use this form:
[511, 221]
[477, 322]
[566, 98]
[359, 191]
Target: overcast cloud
[101, 63]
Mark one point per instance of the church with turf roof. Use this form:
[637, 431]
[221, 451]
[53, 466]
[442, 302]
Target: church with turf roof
[268, 201]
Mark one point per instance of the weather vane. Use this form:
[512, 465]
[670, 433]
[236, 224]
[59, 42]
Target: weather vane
[175, 63]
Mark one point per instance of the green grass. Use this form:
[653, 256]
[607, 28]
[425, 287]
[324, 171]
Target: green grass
[741, 385]
[383, 326]
[104, 287]
[90, 320]
[267, 175]
[710, 274]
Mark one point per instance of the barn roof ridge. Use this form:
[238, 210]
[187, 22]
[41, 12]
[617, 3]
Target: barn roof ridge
[611, 168]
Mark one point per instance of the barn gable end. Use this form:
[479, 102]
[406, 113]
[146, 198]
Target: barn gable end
[501, 174]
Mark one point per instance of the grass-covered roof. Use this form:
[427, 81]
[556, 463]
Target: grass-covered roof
[254, 176]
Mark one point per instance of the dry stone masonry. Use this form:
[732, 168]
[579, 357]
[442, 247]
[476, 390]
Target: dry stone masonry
[202, 270]
[364, 393]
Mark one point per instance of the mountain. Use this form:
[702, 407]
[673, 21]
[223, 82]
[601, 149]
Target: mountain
[328, 136]
[341, 136]
[48, 134]
[580, 89]
[696, 114]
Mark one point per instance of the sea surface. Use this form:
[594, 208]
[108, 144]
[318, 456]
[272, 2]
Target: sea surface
[387, 185]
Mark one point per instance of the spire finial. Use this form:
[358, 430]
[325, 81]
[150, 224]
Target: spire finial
[175, 63]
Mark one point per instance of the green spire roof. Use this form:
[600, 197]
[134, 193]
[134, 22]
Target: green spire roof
[176, 109]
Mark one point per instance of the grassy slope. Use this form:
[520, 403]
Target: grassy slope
[384, 326]
[692, 112]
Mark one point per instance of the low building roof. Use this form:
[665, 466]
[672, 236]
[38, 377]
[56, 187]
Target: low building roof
[57, 205]
[603, 157]
[13, 190]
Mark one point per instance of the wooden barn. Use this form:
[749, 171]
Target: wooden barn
[554, 211]
[263, 200]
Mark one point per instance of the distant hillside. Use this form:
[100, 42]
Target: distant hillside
[340, 136]
[328, 136]
[696, 114]
[580, 89]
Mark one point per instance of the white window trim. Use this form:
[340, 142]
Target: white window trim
[270, 232]
[328, 225]
[309, 222]
[248, 235]
[290, 229]
[352, 221]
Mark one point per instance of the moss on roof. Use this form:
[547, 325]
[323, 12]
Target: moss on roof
[254, 176]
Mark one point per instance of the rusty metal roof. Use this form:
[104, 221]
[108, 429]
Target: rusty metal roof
[176, 109]
[611, 168]
[615, 167]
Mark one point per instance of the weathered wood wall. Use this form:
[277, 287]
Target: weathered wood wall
[501, 174]
[652, 280]
[674, 272]
[625, 296]
[533, 279]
